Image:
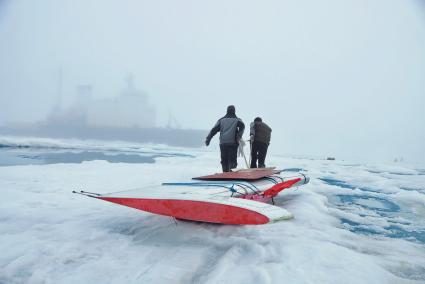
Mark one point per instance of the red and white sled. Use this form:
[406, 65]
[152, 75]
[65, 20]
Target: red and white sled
[241, 197]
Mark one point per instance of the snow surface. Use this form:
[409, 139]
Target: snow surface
[354, 223]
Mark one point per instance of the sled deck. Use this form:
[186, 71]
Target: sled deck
[245, 174]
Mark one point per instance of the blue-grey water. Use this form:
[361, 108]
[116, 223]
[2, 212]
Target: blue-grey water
[17, 155]
[372, 204]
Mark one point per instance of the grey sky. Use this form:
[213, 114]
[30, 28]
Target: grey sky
[332, 77]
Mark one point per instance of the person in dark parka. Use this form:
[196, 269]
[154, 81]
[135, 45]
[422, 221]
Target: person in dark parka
[260, 134]
[231, 129]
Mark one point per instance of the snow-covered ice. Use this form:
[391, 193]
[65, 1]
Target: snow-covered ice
[354, 223]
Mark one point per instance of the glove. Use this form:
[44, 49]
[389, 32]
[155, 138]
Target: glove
[207, 141]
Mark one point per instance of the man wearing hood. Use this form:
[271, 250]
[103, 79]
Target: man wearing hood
[231, 129]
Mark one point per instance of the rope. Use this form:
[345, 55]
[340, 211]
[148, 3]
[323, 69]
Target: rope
[242, 152]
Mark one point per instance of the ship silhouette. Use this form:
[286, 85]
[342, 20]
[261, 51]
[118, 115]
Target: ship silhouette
[126, 117]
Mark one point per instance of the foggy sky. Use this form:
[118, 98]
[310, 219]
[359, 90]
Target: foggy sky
[332, 78]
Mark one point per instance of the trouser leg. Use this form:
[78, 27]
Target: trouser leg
[254, 155]
[224, 158]
[262, 152]
[233, 156]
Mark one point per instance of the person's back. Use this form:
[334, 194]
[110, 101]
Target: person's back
[231, 130]
[262, 132]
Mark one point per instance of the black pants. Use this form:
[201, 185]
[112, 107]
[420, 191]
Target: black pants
[258, 152]
[228, 157]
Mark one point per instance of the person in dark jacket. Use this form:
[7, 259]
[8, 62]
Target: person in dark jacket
[231, 129]
[260, 134]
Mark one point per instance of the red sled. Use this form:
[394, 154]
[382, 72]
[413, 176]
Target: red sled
[237, 198]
